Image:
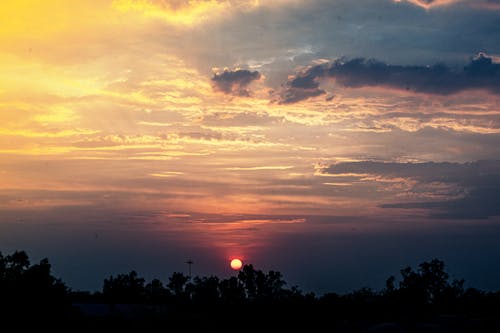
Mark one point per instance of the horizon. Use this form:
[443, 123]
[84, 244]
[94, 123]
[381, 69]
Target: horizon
[239, 271]
[333, 141]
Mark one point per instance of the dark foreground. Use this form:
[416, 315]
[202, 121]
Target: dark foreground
[422, 300]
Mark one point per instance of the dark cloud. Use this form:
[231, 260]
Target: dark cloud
[294, 95]
[235, 82]
[465, 173]
[480, 203]
[480, 73]
[478, 184]
[304, 85]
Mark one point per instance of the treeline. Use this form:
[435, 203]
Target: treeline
[424, 299]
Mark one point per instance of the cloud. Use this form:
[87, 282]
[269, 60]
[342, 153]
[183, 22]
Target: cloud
[480, 203]
[190, 12]
[178, 12]
[452, 190]
[427, 4]
[247, 119]
[482, 72]
[304, 85]
[465, 173]
[235, 82]
[488, 4]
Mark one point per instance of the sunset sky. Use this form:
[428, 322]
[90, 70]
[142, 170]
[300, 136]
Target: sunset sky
[336, 141]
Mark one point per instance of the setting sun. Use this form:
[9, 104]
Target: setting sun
[236, 264]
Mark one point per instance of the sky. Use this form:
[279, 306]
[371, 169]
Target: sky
[334, 141]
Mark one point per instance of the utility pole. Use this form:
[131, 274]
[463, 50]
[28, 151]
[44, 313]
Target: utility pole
[189, 262]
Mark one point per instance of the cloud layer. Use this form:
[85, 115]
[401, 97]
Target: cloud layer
[480, 73]
[464, 190]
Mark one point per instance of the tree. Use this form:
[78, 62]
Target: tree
[232, 290]
[156, 292]
[206, 289]
[257, 284]
[177, 284]
[429, 285]
[30, 291]
[41, 284]
[126, 288]
[274, 284]
[248, 277]
[15, 265]
[434, 278]
[389, 285]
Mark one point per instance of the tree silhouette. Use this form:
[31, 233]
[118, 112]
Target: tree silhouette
[17, 262]
[30, 291]
[177, 284]
[429, 285]
[274, 284]
[41, 284]
[248, 276]
[206, 289]
[259, 285]
[124, 288]
[390, 287]
[156, 292]
[232, 291]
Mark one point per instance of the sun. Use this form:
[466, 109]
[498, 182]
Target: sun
[236, 264]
